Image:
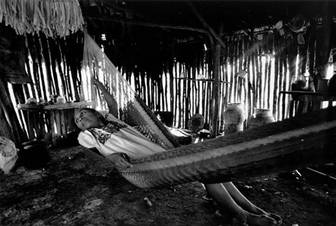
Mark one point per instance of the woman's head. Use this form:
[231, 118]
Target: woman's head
[87, 118]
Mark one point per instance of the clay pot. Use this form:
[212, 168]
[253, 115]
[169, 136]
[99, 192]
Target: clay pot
[299, 85]
[262, 117]
[196, 123]
[234, 118]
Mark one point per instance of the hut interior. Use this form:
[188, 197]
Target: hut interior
[189, 63]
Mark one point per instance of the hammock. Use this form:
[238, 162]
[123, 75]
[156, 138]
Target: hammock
[272, 148]
[131, 108]
[278, 146]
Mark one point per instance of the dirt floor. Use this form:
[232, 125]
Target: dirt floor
[77, 189]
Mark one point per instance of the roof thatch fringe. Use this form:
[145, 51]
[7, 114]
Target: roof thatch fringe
[52, 17]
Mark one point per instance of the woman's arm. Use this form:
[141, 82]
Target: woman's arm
[111, 102]
[119, 160]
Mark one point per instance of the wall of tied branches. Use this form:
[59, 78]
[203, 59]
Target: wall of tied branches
[53, 66]
[252, 72]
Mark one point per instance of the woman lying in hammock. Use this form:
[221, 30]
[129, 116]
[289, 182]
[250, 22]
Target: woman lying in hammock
[119, 142]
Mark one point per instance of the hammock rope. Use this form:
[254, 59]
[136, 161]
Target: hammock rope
[275, 147]
[280, 145]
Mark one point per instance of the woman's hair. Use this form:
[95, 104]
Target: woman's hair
[99, 115]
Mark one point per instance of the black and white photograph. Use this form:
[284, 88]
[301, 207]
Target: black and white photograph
[167, 112]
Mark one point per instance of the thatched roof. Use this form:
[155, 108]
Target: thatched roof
[233, 15]
[150, 35]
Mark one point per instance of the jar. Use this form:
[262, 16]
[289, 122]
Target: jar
[234, 118]
[262, 117]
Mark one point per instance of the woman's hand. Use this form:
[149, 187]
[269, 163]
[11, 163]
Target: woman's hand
[102, 87]
[98, 84]
[110, 100]
[119, 161]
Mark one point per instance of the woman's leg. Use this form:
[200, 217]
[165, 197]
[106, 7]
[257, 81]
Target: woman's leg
[241, 199]
[246, 204]
[219, 193]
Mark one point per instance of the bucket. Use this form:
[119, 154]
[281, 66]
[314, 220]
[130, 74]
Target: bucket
[262, 117]
[234, 117]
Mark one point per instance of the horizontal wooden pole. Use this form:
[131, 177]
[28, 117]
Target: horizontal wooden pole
[303, 93]
[54, 106]
[202, 80]
[152, 25]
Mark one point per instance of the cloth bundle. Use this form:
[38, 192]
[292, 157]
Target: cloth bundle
[8, 154]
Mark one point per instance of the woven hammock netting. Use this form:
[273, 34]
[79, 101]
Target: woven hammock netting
[131, 108]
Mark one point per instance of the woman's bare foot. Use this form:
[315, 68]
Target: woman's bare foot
[259, 220]
[275, 217]
[259, 211]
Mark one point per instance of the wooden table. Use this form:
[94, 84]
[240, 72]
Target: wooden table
[56, 120]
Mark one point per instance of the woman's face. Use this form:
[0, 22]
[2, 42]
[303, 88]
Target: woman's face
[85, 119]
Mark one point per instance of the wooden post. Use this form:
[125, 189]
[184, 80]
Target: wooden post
[53, 66]
[216, 50]
[276, 76]
[323, 36]
[172, 99]
[5, 127]
[187, 96]
[10, 122]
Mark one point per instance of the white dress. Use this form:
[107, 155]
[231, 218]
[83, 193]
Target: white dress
[118, 137]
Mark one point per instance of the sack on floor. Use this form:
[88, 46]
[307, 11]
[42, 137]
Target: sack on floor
[8, 154]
